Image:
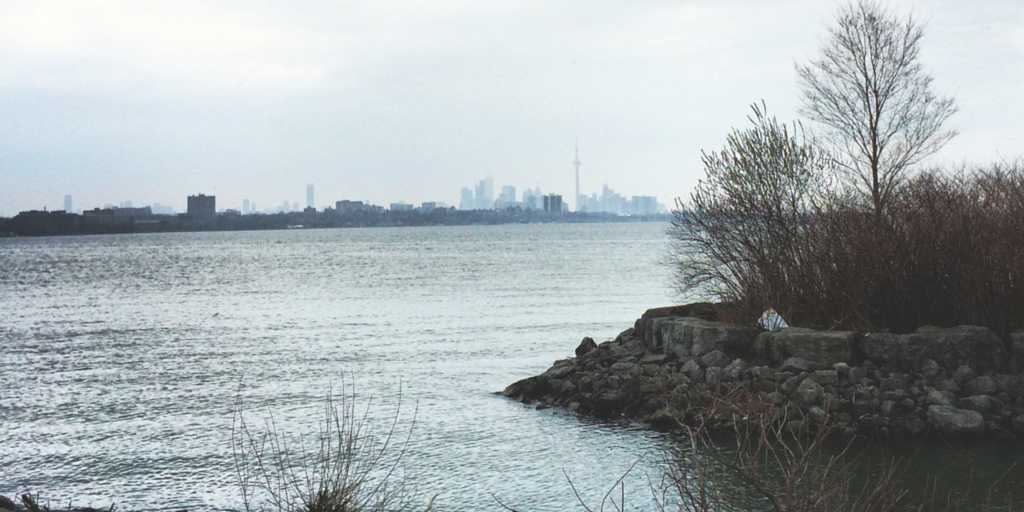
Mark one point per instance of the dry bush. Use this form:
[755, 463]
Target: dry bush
[945, 251]
[347, 467]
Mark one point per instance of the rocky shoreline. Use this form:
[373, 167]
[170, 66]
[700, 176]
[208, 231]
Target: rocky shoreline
[677, 365]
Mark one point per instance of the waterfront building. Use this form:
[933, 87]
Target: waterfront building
[245, 207]
[553, 203]
[466, 199]
[67, 204]
[202, 206]
[401, 207]
[309, 196]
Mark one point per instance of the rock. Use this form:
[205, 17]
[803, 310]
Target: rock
[7, 504]
[624, 367]
[930, 369]
[624, 336]
[1017, 352]
[949, 385]
[983, 385]
[979, 403]
[914, 425]
[734, 370]
[650, 358]
[687, 336]
[949, 348]
[956, 422]
[822, 348]
[692, 370]
[892, 384]
[585, 347]
[776, 398]
[826, 377]
[715, 359]
[1007, 383]
[797, 365]
[789, 385]
[963, 373]
[528, 389]
[937, 397]
[1017, 424]
[809, 392]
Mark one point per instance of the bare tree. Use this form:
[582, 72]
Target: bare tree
[869, 90]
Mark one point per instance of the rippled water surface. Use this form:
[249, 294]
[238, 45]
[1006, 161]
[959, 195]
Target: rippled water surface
[124, 356]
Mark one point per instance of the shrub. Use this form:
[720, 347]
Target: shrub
[348, 466]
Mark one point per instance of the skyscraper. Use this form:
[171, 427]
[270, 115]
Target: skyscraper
[202, 206]
[67, 203]
[309, 196]
[576, 163]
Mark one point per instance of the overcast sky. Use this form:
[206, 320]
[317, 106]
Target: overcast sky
[385, 101]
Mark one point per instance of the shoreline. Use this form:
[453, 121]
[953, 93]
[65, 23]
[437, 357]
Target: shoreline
[679, 367]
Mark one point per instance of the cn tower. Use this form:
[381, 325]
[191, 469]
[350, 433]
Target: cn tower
[576, 162]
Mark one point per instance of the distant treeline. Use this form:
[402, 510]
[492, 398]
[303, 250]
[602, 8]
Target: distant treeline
[59, 223]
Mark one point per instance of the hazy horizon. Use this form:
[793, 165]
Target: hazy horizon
[403, 101]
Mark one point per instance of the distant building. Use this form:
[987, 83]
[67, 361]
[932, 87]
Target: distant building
[67, 204]
[553, 203]
[484, 199]
[345, 206]
[309, 196]
[202, 206]
[431, 206]
[245, 207]
[466, 199]
[401, 207]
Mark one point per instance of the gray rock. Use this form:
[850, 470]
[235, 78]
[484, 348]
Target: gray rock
[1017, 424]
[956, 422]
[692, 370]
[949, 385]
[694, 336]
[798, 365]
[715, 358]
[1007, 383]
[789, 385]
[1017, 352]
[625, 367]
[624, 336]
[937, 397]
[585, 347]
[777, 398]
[892, 384]
[809, 392]
[914, 425]
[930, 369]
[963, 373]
[980, 403]
[822, 348]
[949, 348]
[826, 377]
[7, 504]
[983, 385]
[734, 370]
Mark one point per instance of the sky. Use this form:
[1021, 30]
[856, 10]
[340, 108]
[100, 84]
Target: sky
[395, 100]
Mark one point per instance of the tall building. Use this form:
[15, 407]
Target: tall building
[466, 199]
[484, 199]
[576, 163]
[67, 204]
[245, 207]
[309, 196]
[507, 196]
[202, 206]
[553, 203]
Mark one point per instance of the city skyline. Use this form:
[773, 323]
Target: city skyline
[395, 101]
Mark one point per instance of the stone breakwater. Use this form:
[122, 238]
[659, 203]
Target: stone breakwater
[676, 363]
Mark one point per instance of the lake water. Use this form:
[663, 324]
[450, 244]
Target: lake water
[123, 359]
[123, 356]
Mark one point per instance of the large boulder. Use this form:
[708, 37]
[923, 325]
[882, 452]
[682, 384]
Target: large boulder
[821, 348]
[978, 347]
[689, 336]
[956, 422]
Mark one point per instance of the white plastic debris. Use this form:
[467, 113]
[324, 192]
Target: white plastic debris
[771, 320]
